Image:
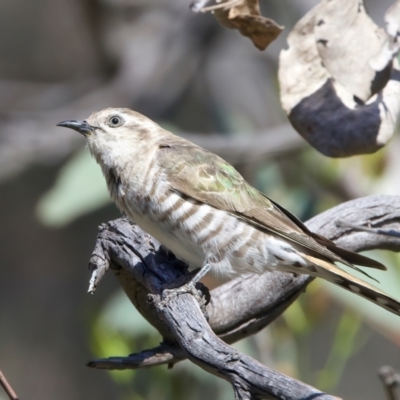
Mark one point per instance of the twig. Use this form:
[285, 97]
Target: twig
[383, 211]
[225, 5]
[390, 380]
[160, 355]
[198, 5]
[7, 387]
[367, 229]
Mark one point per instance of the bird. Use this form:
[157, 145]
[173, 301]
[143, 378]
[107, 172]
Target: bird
[199, 206]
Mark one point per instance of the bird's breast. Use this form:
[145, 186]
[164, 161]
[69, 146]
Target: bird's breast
[197, 233]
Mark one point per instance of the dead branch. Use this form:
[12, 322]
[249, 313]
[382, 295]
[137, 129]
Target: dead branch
[390, 380]
[7, 387]
[237, 309]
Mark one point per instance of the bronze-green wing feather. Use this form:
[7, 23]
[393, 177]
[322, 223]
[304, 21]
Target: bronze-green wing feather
[203, 176]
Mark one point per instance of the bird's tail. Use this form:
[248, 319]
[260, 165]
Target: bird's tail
[332, 273]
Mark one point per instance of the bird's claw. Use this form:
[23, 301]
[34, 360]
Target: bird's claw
[199, 291]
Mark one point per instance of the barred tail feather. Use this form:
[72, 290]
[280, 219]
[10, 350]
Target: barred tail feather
[332, 273]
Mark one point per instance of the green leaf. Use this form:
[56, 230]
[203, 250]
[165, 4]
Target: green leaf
[117, 331]
[80, 188]
[122, 316]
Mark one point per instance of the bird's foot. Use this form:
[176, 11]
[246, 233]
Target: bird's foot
[199, 291]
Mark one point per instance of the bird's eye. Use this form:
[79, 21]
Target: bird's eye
[115, 121]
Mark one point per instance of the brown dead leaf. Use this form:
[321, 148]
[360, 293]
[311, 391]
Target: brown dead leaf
[245, 16]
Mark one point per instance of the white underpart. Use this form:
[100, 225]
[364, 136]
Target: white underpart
[214, 224]
[181, 211]
[197, 217]
[192, 248]
[169, 202]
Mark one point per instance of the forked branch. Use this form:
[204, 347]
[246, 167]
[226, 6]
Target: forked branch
[237, 309]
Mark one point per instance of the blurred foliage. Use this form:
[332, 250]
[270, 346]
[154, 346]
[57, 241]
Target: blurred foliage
[80, 188]
[184, 68]
[389, 281]
[345, 344]
[120, 330]
[346, 339]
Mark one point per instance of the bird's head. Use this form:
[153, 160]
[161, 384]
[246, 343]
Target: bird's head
[114, 133]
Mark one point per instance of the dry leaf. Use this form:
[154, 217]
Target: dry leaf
[245, 16]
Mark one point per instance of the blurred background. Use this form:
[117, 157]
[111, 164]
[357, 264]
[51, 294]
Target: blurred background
[65, 59]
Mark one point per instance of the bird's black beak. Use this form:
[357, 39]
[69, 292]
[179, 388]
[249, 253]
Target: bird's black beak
[80, 126]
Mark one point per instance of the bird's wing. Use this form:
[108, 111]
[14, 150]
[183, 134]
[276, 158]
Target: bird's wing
[203, 176]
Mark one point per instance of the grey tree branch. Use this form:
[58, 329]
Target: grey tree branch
[7, 387]
[237, 309]
[390, 380]
[30, 137]
[143, 268]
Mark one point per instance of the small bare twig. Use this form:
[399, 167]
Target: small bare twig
[367, 229]
[197, 5]
[390, 380]
[7, 387]
[160, 355]
[225, 4]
